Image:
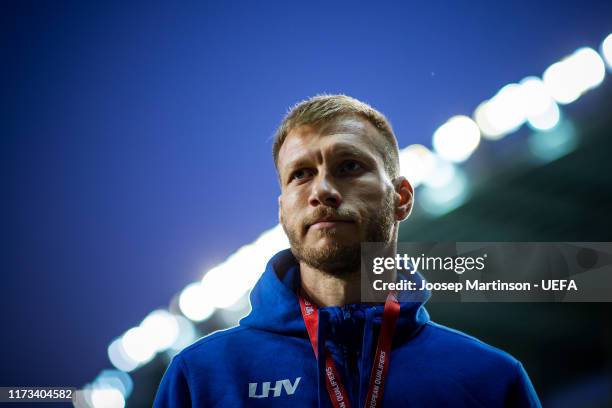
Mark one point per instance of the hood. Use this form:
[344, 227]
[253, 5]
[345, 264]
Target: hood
[275, 306]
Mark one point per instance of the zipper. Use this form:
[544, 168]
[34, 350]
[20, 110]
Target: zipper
[346, 315]
[351, 370]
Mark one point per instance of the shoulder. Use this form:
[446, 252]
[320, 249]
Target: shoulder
[215, 338]
[453, 348]
[181, 384]
[216, 341]
[230, 344]
[464, 359]
[202, 354]
[456, 339]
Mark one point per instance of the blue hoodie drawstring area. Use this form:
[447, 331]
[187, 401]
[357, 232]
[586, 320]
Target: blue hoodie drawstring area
[365, 366]
[322, 336]
[365, 361]
[321, 374]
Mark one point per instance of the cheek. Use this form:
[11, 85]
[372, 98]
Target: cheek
[291, 208]
[367, 196]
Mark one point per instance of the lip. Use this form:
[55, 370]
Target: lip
[329, 223]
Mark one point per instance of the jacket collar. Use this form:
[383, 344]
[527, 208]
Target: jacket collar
[275, 306]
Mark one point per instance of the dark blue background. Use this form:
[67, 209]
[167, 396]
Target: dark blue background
[136, 148]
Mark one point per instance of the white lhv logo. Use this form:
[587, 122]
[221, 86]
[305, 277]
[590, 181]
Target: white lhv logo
[277, 390]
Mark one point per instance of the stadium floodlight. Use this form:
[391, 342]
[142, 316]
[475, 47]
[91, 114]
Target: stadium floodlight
[569, 78]
[456, 139]
[416, 163]
[194, 304]
[115, 379]
[442, 174]
[162, 329]
[606, 51]
[119, 358]
[221, 286]
[502, 114]
[187, 334]
[221, 283]
[137, 345]
[440, 199]
[546, 120]
[539, 107]
[107, 398]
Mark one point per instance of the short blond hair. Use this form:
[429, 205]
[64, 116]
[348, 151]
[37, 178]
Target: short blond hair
[324, 108]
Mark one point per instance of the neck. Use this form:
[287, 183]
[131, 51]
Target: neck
[325, 289]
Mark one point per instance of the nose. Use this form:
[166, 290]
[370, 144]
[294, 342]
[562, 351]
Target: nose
[324, 193]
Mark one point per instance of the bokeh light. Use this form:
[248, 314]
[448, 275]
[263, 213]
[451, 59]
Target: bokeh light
[606, 51]
[115, 379]
[137, 345]
[119, 358]
[502, 114]
[107, 398]
[553, 144]
[194, 303]
[416, 163]
[539, 108]
[569, 78]
[186, 335]
[456, 139]
[441, 199]
[161, 328]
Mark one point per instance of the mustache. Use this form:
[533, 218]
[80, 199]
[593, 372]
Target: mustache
[328, 213]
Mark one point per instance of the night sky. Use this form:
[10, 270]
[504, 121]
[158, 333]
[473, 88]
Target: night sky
[136, 139]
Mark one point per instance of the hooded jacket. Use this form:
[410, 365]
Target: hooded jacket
[268, 361]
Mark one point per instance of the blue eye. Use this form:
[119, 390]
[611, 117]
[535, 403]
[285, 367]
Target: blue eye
[299, 174]
[350, 166]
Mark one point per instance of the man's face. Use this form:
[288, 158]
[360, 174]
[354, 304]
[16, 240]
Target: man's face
[335, 193]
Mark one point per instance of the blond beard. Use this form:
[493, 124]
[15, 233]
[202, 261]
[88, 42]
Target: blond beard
[342, 260]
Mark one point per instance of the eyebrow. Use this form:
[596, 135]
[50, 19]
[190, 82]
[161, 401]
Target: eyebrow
[341, 149]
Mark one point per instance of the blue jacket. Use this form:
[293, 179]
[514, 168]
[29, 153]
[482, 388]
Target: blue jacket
[268, 361]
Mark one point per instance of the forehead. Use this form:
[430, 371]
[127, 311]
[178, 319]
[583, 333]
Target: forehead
[348, 132]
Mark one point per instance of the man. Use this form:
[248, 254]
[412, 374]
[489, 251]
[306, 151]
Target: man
[309, 341]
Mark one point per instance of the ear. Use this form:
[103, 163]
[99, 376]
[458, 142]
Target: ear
[405, 193]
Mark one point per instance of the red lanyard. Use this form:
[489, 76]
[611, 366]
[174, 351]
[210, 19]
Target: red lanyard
[335, 388]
